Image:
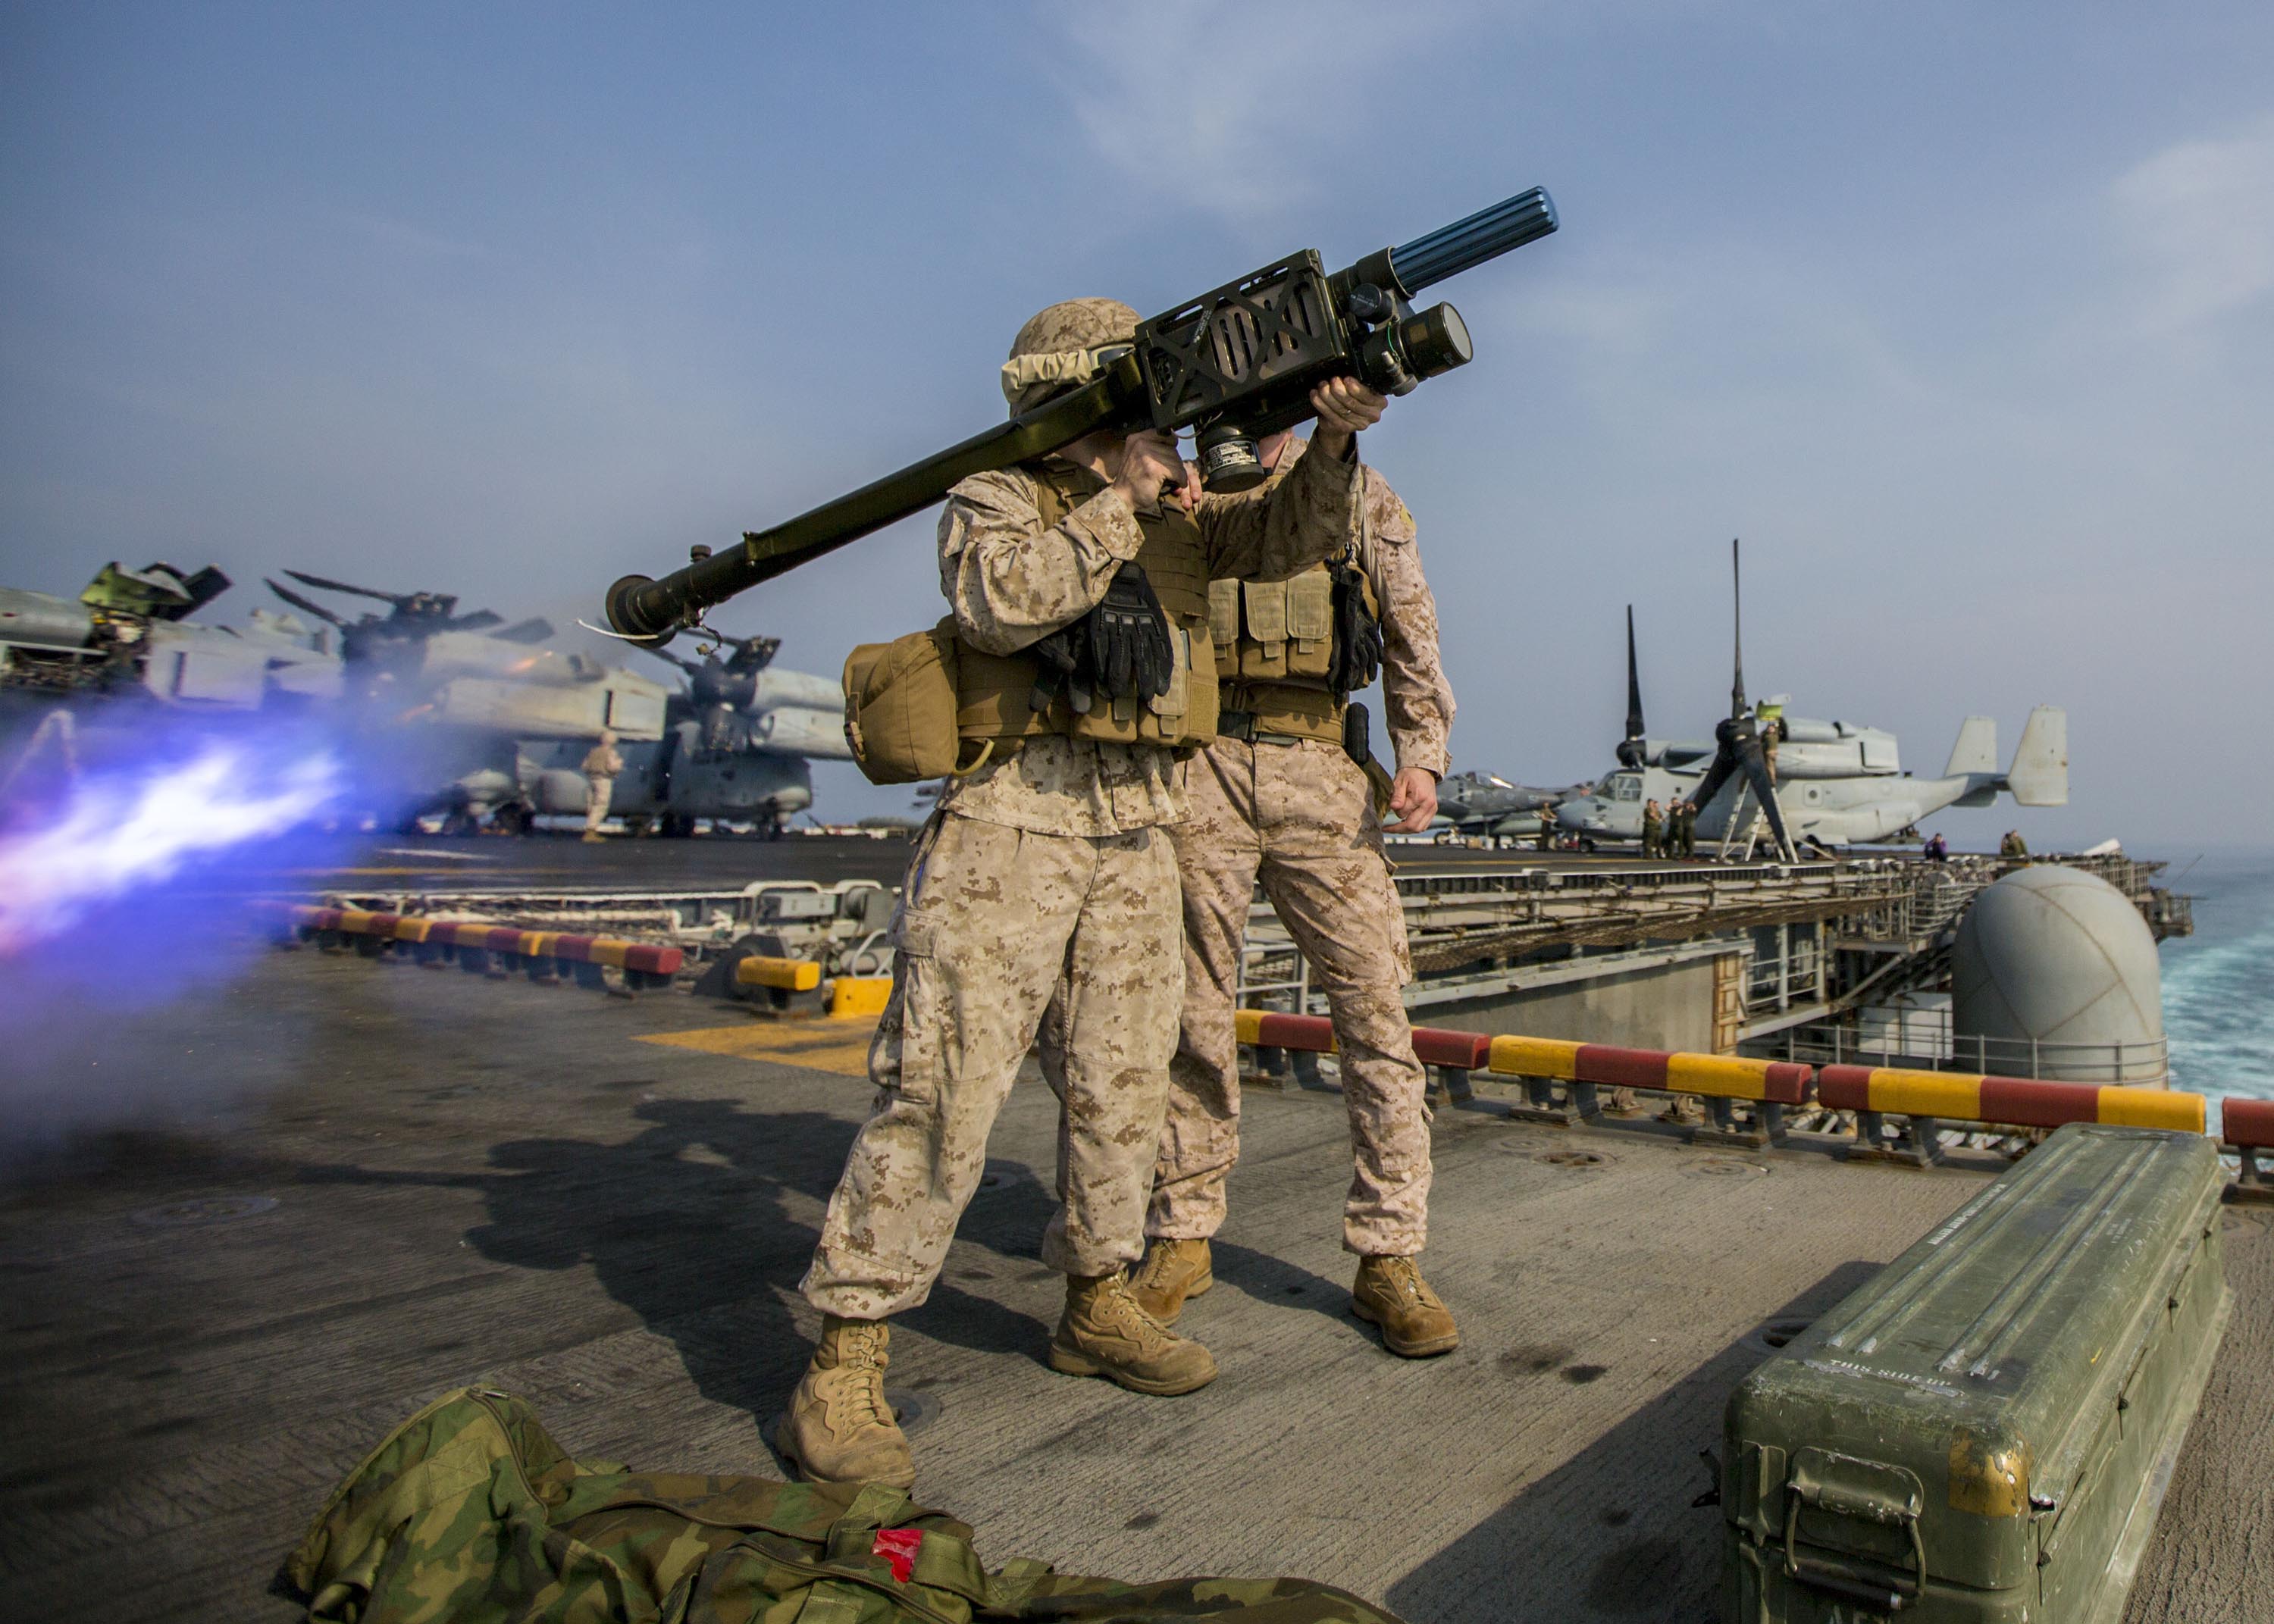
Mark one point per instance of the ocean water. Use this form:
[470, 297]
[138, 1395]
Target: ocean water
[2218, 984]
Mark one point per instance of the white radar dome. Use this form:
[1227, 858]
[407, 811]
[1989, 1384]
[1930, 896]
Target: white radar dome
[2054, 974]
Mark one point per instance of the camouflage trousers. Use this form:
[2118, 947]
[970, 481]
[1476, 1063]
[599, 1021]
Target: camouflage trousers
[1299, 817]
[994, 921]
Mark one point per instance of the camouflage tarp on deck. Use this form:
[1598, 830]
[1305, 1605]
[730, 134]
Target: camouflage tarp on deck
[470, 1513]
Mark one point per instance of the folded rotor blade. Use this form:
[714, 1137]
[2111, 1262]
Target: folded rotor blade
[305, 605]
[536, 629]
[396, 598]
[1634, 684]
[1716, 775]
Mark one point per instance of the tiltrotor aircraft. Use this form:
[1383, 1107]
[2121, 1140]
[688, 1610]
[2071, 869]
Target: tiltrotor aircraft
[1834, 783]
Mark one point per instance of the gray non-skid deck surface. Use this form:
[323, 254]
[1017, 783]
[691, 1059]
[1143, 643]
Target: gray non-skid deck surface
[493, 1182]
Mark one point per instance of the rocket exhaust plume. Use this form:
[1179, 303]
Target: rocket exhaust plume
[121, 833]
[124, 894]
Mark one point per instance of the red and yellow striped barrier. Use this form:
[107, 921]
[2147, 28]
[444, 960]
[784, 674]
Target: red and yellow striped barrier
[1728, 1076]
[2010, 1101]
[1269, 1029]
[1459, 1051]
[2247, 1124]
[643, 959]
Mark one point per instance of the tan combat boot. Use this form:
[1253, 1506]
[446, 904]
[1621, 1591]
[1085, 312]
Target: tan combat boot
[1173, 1273]
[1415, 1323]
[840, 1429]
[1105, 1331]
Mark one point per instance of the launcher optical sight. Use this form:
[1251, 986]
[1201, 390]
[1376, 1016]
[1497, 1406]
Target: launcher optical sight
[1232, 365]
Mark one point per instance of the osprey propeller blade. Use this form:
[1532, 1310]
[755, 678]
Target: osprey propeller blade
[1630, 751]
[307, 604]
[397, 599]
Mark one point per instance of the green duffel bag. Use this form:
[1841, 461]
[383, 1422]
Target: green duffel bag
[470, 1514]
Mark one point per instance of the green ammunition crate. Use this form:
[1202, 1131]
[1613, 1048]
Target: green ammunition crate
[1984, 1431]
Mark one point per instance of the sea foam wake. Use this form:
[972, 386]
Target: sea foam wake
[2218, 985]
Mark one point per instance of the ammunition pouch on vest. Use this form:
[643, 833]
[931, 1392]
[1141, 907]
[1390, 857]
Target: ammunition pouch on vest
[1275, 645]
[929, 705]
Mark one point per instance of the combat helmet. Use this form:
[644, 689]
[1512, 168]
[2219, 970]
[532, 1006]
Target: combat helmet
[1064, 346]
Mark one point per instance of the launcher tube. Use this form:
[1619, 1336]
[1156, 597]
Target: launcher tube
[1466, 244]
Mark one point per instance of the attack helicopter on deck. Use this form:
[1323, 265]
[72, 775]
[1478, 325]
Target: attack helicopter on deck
[496, 728]
[128, 638]
[1485, 804]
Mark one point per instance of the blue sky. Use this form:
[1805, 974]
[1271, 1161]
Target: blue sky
[1961, 316]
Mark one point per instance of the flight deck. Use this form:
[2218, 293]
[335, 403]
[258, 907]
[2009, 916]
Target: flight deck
[355, 1185]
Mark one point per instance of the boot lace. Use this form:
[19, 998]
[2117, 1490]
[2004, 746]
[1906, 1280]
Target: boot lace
[1121, 1303]
[861, 1355]
[1402, 1276]
[1160, 1262]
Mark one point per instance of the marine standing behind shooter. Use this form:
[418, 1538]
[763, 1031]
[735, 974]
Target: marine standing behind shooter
[1278, 797]
[1046, 864]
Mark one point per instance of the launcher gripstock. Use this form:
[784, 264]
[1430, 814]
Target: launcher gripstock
[1232, 365]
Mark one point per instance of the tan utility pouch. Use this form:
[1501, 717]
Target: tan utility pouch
[1223, 622]
[899, 709]
[1311, 624]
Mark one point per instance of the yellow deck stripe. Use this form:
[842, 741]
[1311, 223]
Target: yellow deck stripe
[841, 1046]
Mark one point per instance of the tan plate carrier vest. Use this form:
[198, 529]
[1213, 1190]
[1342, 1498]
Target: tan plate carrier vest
[930, 704]
[992, 690]
[1275, 645]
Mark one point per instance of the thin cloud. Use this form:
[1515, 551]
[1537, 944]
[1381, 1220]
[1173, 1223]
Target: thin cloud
[1222, 107]
[2202, 215]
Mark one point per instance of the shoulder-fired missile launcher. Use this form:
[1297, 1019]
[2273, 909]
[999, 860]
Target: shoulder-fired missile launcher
[1234, 364]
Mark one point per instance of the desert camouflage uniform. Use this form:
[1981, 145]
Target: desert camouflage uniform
[1048, 865]
[1300, 817]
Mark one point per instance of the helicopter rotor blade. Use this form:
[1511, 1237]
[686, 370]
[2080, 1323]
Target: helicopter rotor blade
[480, 620]
[1717, 775]
[1634, 683]
[308, 606]
[536, 629]
[1737, 641]
[397, 599]
[692, 667]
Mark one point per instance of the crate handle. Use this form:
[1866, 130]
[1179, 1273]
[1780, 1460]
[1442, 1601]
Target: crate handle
[1839, 1491]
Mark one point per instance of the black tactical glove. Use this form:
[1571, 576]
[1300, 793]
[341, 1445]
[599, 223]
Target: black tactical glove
[1357, 635]
[1058, 657]
[1130, 654]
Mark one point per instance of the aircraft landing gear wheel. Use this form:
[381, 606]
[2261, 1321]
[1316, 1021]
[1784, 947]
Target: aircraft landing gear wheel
[512, 819]
[675, 826]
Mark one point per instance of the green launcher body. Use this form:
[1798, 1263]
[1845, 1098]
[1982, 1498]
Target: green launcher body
[1984, 1431]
